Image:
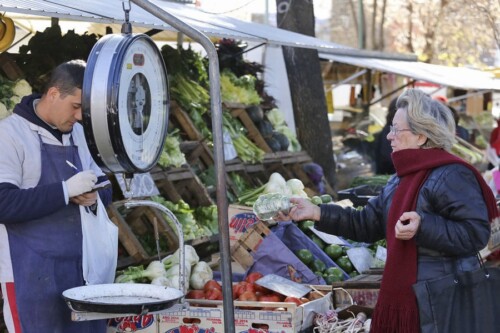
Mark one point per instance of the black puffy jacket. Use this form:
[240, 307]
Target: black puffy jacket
[454, 218]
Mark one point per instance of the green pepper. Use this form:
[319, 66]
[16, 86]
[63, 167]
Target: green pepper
[305, 256]
[334, 271]
[326, 198]
[334, 251]
[318, 266]
[318, 241]
[316, 200]
[329, 279]
[345, 264]
[304, 226]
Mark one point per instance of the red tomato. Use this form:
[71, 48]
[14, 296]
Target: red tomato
[195, 294]
[262, 290]
[250, 287]
[269, 298]
[239, 288]
[235, 291]
[252, 277]
[213, 294]
[248, 296]
[304, 300]
[291, 299]
[211, 284]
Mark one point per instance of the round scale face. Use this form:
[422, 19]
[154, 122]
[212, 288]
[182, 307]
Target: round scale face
[141, 97]
[125, 103]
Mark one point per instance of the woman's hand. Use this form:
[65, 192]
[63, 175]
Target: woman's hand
[85, 199]
[302, 209]
[407, 225]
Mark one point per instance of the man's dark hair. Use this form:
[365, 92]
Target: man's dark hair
[67, 77]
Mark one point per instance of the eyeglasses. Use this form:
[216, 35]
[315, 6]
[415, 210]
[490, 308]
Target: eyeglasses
[393, 130]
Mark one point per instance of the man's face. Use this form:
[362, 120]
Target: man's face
[65, 111]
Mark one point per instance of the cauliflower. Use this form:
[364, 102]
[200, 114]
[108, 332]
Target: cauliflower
[15, 100]
[22, 88]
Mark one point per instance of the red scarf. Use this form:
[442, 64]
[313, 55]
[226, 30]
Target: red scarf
[397, 310]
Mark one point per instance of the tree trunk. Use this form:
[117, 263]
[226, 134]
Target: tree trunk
[374, 26]
[306, 86]
[381, 40]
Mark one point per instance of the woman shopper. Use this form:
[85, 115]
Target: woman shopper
[434, 212]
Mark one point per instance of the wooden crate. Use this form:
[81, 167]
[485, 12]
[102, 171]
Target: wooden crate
[181, 183]
[235, 166]
[258, 173]
[294, 163]
[253, 132]
[10, 68]
[273, 162]
[362, 290]
[198, 155]
[249, 242]
[181, 120]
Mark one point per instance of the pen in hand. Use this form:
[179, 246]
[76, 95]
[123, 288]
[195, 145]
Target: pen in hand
[72, 165]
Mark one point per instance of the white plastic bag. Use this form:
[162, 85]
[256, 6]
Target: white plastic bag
[229, 150]
[100, 245]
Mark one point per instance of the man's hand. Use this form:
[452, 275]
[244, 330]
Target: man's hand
[81, 183]
[85, 199]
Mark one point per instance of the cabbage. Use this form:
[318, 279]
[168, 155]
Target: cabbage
[22, 88]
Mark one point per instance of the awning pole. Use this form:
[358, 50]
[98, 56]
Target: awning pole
[392, 92]
[458, 98]
[350, 78]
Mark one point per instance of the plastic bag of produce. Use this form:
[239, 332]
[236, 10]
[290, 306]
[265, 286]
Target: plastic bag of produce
[296, 240]
[274, 257]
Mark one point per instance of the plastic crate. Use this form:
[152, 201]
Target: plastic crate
[360, 195]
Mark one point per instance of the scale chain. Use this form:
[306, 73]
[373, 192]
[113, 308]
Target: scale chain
[127, 26]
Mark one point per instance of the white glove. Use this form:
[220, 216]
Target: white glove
[81, 183]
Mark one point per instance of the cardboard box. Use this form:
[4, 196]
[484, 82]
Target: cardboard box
[206, 316]
[143, 324]
[240, 219]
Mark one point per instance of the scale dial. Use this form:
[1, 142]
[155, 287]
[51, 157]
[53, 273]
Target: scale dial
[125, 103]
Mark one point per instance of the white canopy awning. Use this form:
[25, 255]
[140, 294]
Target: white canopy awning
[111, 12]
[456, 77]
[219, 26]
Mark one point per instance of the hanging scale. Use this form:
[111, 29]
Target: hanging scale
[125, 102]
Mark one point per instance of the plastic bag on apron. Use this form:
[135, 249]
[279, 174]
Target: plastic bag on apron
[100, 245]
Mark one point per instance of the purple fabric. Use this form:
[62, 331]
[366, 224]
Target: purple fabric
[295, 240]
[273, 257]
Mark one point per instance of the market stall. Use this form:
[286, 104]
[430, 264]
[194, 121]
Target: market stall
[310, 262]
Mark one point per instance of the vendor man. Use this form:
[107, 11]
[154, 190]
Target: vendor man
[46, 175]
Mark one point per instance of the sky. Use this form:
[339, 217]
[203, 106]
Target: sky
[242, 9]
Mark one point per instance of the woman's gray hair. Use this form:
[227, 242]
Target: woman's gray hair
[428, 117]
